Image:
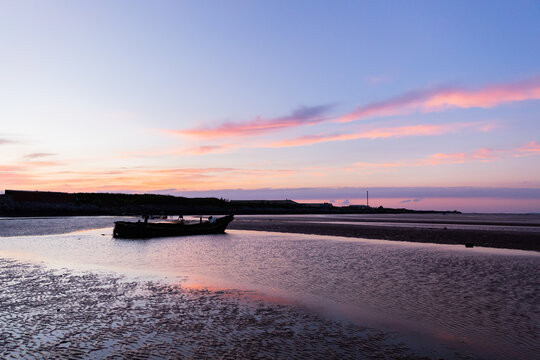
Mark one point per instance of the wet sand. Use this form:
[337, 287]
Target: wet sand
[47, 313]
[61, 313]
[371, 228]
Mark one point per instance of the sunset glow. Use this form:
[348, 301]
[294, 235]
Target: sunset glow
[172, 98]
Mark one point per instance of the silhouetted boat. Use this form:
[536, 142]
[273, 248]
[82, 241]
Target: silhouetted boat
[141, 230]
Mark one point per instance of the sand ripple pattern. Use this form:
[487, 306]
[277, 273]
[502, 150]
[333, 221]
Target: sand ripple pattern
[62, 314]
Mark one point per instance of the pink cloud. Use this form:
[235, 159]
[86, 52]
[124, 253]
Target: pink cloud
[203, 150]
[380, 165]
[443, 159]
[445, 98]
[302, 116]
[531, 148]
[490, 127]
[484, 155]
[387, 132]
[398, 105]
[423, 101]
[432, 160]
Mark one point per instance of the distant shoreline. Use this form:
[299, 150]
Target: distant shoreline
[44, 203]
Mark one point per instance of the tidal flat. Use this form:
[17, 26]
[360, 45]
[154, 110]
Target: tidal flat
[506, 231]
[59, 313]
[257, 294]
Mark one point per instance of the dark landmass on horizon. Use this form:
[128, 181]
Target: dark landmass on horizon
[45, 203]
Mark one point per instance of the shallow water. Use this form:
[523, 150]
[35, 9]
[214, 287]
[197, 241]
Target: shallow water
[16, 226]
[481, 301]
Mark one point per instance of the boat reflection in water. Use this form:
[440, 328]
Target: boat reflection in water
[142, 230]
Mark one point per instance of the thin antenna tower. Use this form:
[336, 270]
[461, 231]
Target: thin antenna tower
[367, 197]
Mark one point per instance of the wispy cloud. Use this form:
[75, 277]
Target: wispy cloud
[531, 148]
[10, 168]
[38, 155]
[481, 155]
[4, 141]
[26, 174]
[436, 159]
[410, 200]
[422, 101]
[207, 149]
[373, 133]
[386, 132]
[29, 166]
[439, 99]
[193, 150]
[443, 159]
[486, 154]
[137, 179]
[259, 125]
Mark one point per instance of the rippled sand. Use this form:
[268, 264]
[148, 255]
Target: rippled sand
[61, 313]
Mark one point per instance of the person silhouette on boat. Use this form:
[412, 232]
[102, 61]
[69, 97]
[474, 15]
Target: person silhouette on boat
[146, 216]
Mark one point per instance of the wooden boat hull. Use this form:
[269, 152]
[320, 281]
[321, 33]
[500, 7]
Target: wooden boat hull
[140, 230]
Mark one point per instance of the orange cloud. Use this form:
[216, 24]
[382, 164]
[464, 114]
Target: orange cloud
[206, 149]
[399, 131]
[444, 98]
[140, 179]
[10, 168]
[25, 173]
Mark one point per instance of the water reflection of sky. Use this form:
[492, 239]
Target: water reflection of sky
[482, 299]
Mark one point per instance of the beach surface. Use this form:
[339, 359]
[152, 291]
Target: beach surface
[61, 313]
[267, 295]
[506, 231]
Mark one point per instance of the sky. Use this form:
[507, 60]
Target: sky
[426, 104]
